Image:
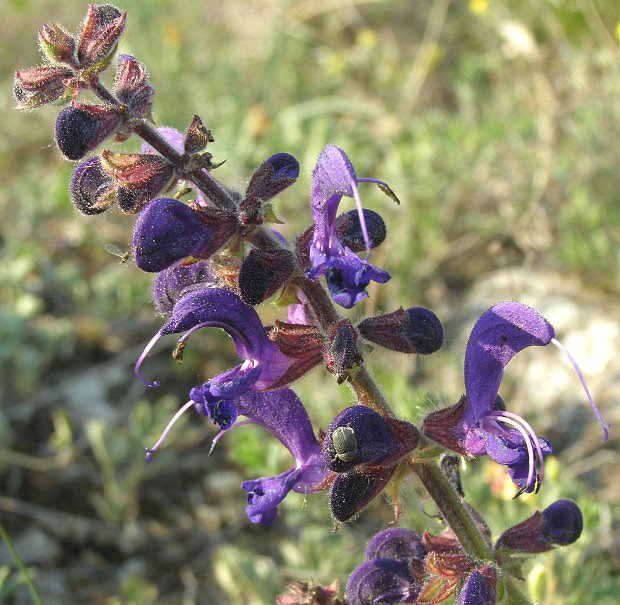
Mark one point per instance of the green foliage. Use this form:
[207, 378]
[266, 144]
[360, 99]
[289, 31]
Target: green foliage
[497, 127]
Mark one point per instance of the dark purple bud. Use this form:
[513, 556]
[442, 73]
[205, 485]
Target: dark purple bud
[40, 85]
[397, 543]
[273, 176]
[563, 522]
[416, 330]
[350, 232]
[92, 190]
[131, 85]
[197, 137]
[353, 491]
[559, 524]
[341, 352]
[477, 590]
[168, 231]
[381, 582]
[81, 128]
[171, 283]
[263, 273]
[100, 32]
[141, 177]
[57, 43]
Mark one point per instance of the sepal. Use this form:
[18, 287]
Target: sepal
[350, 233]
[263, 273]
[197, 136]
[441, 426]
[56, 43]
[341, 351]
[38, 86]
[100, 32]
[140, 177]
[131, 85]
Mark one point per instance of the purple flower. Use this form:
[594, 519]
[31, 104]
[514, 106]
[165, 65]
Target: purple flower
[381, 582]
[282, 413]
[264, 366]
[397, 543]
[486, 427]
[477, 590]
[346, 274]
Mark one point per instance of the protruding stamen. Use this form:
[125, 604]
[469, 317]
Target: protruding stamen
[564, 350]
[360, 212]
[531, 474]
[141, 359]
[150, 451]
[534, 438]
[383, 186]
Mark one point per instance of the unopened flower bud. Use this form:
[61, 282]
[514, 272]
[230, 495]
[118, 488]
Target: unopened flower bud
[92, 190]
[81, 128]
[381, 581]
[131, 85]
[40, 85]
[350, 232]
[99, 35]
[397, 543]
[263, 273]
[56, 43]
[273, 176]
[477, 590]
[560, 524]
[169, 230]
[416, 330]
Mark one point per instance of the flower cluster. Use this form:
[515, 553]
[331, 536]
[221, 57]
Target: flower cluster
[216, 261]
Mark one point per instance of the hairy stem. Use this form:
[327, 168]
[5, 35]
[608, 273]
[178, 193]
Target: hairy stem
[451, 507]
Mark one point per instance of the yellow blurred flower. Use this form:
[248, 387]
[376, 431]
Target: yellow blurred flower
[477, 7]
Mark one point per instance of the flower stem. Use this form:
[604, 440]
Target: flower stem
[20, 564]
[451, 507]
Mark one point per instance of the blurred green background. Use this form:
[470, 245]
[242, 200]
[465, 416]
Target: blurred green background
[496, 122]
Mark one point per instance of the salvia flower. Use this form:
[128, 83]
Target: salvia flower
[346, 274]
[264, 366]
[284, 416]
[482, 424]
[92, 190]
